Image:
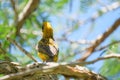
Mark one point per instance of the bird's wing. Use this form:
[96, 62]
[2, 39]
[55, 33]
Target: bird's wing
[49, 49]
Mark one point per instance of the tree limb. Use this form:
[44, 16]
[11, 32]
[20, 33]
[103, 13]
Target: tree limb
[39, 69]
[23, 50]
[99, 40]
[73, 69]
[29, 8]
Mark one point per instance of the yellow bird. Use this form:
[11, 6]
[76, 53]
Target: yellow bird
[47, 48]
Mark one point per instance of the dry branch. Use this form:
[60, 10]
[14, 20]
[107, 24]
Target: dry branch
[6, 67]
[29, 8]
[39, 69]
[100, 39]
[23, 50]
[75, 69]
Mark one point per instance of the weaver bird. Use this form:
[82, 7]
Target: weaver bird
[47, 48]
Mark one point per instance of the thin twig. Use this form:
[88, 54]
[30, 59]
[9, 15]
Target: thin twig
[99, 48]
[77, 42]
[103, 4]
[113, 55]
[15, 10]
[23, 50]
[3, 52]
[103, 47]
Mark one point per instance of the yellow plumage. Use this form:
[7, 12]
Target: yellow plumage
[47, 48]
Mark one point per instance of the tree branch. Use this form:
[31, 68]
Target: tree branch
[77, 42]
[103, 47]
[23, 50]
[99, 40]
[39, 69]
[15, 10]
[7, 67]
[73, 69]
[4, 53]
[29, 8]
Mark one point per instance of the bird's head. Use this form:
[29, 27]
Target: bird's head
[47, 30]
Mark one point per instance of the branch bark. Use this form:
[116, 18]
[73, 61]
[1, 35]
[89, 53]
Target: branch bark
[33, 71]
[23, 50]
[29, 8]
[99, 40]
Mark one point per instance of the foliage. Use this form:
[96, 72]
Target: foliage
[111, 67]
